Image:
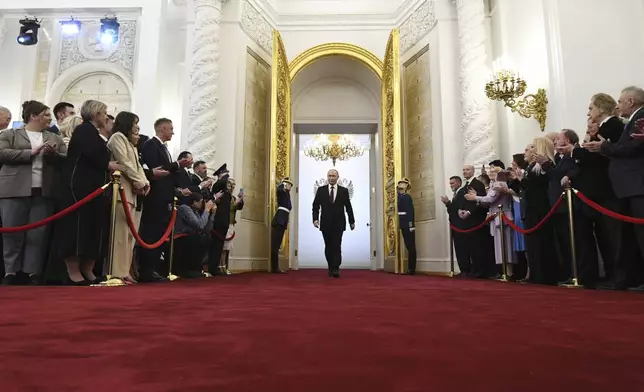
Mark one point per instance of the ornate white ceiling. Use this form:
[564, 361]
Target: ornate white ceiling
[335, 7]
[295, 14]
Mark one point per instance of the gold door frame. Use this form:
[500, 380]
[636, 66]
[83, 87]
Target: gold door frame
[283, 75]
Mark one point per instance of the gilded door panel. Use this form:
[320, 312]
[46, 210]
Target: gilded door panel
[280, 143]
[391, 153]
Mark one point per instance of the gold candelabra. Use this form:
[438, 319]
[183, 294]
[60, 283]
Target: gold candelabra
[333, 147]
[508, 87]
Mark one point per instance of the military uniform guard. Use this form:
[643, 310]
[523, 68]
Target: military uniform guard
[406, 222]
[280, 222]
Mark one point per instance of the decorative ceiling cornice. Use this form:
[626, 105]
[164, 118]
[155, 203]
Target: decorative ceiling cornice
[303, 21]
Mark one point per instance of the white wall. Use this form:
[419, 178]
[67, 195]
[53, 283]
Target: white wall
[356, 245]
[298, 41]
[601, 48]
[518, 42]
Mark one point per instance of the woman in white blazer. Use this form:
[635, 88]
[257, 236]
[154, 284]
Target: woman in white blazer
[122, 146]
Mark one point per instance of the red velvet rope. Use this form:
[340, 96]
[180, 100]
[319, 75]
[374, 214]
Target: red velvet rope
[135, 232]
[605, 211]
[58, 215]
[473, 229]
[509, 222]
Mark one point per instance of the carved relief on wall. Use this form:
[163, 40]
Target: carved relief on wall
[102, 86]
[418, 24]
[256, 27]
[87, 46]
[391, 143]
[256, 132]
[418, 129]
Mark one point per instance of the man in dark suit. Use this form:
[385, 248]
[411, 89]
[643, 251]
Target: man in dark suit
[594, 182]
[406, 223]
[62, 110]
[157, 205]
[626, 171]
[564, 172]
[477, 246]
[280, 222]
[333, 199]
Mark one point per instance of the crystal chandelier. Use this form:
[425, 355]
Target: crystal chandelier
[333, 147]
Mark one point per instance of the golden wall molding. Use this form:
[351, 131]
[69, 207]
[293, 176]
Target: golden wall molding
[256, 136]
[418, 134]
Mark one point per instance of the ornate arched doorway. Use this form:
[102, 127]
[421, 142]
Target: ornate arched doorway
[388, 71]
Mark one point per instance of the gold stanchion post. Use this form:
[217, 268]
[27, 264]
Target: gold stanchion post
[116, 186]
[451, 251]
[504, 256]
[172, 276]
[573, 249]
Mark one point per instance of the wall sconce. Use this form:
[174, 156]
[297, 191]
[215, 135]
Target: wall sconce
[509, 87]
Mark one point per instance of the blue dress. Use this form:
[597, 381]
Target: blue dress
[519, 239]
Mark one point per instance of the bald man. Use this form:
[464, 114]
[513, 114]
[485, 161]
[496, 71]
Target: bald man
[5, 118]
[333, 199]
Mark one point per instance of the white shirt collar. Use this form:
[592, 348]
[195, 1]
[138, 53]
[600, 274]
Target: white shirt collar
[161, 141]
[634, 113]
[103, 137]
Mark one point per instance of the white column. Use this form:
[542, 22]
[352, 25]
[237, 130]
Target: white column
[476, 123]
[146, 99]
[200, 135]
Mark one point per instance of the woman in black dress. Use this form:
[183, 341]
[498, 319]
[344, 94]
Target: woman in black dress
[81, 240]
[535, 204]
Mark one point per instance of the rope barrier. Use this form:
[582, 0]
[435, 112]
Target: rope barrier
[135, 232]
[606, 211]
[58, 215]
[536, 227]
[473, 229]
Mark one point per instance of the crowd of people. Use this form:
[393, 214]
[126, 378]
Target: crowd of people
[48, 168]
[606, 167]
[68, 166]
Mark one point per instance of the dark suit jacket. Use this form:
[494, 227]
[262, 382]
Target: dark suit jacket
[54, 129]
[563, 166]
[626, 169]
[593, 179]
[222, 216]
[153, 154]
[478, 212]
[87, 159]
[281, 217]
[406, 207]
[533, 191]
[332, 217]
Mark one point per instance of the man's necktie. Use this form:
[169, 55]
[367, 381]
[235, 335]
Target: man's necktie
[165, 146]
[331, 195]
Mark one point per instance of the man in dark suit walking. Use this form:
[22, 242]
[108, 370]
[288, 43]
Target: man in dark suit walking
[333, 199]
[280, 222]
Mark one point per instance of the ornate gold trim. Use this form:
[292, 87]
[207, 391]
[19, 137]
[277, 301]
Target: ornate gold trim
[391, 150]
[315, 53]
[280, 147]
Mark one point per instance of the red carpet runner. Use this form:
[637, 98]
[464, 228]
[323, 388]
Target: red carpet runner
[305, 332]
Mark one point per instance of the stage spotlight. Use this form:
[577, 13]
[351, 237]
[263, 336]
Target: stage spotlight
[28, 32]
[109, 31]
[70, 27]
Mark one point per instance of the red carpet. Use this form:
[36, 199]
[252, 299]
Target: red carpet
[305, 332]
